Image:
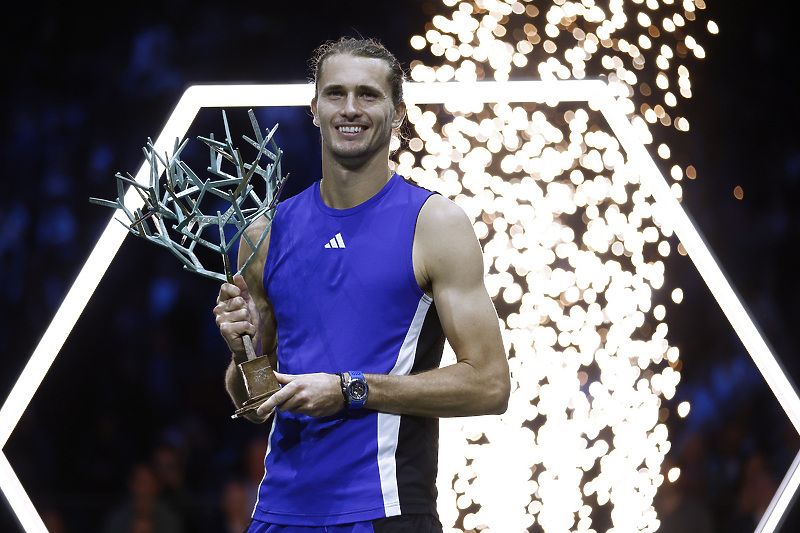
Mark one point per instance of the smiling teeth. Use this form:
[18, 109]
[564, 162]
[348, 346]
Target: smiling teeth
[350, 129]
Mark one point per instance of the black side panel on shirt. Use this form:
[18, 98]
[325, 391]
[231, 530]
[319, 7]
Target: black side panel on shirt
[412, 523]
[417, 453]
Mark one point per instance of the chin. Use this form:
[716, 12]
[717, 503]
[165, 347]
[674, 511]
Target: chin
[354, 154]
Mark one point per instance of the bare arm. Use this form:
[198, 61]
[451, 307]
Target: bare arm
[244, 309]
[448, 264]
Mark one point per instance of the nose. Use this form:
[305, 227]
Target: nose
[350, 106]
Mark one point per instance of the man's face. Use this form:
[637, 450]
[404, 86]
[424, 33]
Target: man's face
[354, 109]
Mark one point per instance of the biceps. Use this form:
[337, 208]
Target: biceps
[470, 323]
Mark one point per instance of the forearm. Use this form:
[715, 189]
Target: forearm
[234, 383]
[454, 390]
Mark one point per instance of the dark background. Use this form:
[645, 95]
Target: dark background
[84, 87]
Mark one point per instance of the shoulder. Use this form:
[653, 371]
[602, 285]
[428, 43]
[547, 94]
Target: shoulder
[256, 229]
[299, 205]
[254, 233]
[445, 245]
[306, 195]
[439, 214]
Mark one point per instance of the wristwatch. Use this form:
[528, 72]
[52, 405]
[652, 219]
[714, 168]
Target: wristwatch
[354, 389]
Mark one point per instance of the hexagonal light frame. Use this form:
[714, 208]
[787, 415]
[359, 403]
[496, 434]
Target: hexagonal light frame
[595, 93]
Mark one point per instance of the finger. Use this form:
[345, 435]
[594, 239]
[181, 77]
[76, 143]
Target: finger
[241, 285]
[236, 330]
[274, 402]
[224, 315]
[235, 304]
[266, 407]
[285, 379]
[228, 291]
[226, 306]
[264, 412]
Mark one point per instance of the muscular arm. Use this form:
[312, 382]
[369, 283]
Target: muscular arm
[244, 309]
[448, 264]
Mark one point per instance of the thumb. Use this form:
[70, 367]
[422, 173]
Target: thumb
[241, 284]
[284, 379]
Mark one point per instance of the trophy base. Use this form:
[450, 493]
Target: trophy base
[260, 382]
[252, 404]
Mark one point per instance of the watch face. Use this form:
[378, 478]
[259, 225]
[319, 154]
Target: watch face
[358, 389]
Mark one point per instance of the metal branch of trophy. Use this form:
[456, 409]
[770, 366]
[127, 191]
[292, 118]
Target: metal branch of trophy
[172, 214]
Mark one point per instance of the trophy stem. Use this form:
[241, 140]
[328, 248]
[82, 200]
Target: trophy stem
[248, 347]
[246, 339]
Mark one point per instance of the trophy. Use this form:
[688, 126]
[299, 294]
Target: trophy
[173, 217]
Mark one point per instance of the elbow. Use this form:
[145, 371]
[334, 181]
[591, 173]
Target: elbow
[498, 393]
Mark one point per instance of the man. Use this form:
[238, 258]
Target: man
[362, 275]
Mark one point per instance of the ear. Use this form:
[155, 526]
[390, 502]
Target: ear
[314, 111]
[399, 115]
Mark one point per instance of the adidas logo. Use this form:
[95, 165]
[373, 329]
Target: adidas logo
[336, 242]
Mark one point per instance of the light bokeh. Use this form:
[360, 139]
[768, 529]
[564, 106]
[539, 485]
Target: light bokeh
[574, 249]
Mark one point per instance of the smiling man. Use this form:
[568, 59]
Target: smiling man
[362, 278]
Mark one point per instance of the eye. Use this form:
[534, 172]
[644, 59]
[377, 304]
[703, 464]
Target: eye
[370, 95]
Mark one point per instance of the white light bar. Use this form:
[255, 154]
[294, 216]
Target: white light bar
[707, 265]
[594, 92]
[786, 493]
[18, 499]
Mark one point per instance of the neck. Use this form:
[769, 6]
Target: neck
[343, 187]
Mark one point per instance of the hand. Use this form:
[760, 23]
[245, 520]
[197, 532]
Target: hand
[236, 314]
[309, 394]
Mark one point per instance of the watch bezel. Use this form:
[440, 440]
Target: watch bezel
[350, 380]
[357, 389]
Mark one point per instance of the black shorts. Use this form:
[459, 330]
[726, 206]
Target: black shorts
[412, 523]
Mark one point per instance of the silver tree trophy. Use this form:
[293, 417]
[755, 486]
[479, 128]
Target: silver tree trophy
[172, 217]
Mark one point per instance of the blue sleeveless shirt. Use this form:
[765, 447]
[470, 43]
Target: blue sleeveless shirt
[342, 286]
